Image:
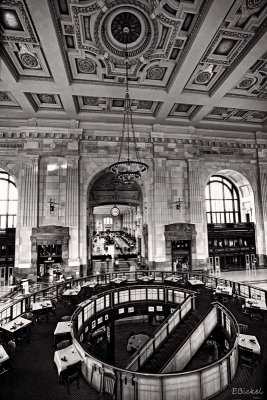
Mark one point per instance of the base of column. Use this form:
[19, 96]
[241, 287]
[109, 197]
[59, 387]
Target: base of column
[26, 272]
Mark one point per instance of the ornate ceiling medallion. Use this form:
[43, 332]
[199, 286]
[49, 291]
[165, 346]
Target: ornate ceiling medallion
[27, 58]
[247, 83]
[254, 3]
[47, 98]
[205, 75]
[156, 73]
[86, 66]
[143, 32]
[126, 19]
[4, 97]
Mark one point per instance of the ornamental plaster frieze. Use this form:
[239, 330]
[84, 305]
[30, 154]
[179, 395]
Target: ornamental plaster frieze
[77, 135]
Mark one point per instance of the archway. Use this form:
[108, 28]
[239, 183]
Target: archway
[114, 224]
[230, 216]
[8, 222]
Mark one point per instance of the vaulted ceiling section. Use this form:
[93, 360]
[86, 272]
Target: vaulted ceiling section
[191, 62]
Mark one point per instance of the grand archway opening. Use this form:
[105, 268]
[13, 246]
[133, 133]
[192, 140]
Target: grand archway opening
[8, 221]
[115, 221]
[230, 214]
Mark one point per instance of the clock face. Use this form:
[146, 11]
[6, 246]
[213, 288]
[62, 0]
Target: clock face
[114, 211]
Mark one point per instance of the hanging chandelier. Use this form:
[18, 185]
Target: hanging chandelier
[128, 170]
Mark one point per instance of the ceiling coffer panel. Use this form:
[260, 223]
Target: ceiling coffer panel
[253, 85]
[20, 46]
[92, 40]
[114, 105]
[242, 27]
[236, 115]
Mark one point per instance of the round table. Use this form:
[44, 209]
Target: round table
[136, 341]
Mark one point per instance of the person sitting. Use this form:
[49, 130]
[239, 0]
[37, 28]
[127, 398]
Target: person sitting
[30, 316]
[11, 348]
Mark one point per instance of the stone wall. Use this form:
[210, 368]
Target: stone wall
[59, 164]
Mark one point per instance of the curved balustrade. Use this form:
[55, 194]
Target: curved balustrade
[198, 384]
[17, 307]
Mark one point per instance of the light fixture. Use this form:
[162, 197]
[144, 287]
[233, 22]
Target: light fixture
[178, 204]
[128, 170]
[51, 206]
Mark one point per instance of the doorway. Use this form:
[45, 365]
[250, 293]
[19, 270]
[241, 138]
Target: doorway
[181, 255]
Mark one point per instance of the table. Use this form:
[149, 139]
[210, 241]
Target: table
[118, 281]
[71, 292]
[90, 285]
[42, 307]
[255, 304]
[145, 279]
[249, 342]
[196, 283]
[3, 355]
[66, 357]
[62, 331]
[173, 279]
[224, 290]
[136, 341]
[14, 327]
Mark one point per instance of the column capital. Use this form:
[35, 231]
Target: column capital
[72, 161]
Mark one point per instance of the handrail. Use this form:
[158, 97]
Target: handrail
[95, 297]
[155, 273]
[110, 366]
[227, 311]
[120, 373]
[165, 323]
[187, 337]
[217, 304]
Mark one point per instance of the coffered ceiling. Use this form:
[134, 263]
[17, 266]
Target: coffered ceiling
[191, 62]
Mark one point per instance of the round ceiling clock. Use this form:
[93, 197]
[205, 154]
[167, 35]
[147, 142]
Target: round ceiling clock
[115, 211]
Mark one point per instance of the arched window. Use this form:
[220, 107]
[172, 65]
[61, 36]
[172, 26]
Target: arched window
[8, 201]
[108, 221]
[222, 201]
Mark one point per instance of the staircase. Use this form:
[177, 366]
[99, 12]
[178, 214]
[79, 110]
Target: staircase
[164, 352]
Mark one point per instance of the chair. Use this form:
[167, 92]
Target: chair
[66, 318]
[24, 337]
[246, 358]
[63, 344]
[42, 318]
[72, 375]
[4, 368]
[30, 316]
[243, 328]
[245, 310]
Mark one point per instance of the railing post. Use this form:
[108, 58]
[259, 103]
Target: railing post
[193, 302]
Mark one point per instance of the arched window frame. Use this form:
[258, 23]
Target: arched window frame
[223, 216]
[108, 220]
[7, 219]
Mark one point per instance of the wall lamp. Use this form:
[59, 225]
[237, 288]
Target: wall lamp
[52, 204]
[178, 204]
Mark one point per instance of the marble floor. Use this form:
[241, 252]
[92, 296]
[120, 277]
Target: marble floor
[252, 276]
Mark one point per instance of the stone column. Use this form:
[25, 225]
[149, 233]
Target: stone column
[72, 191]
[72, 213]
[260, 194]
[158, 214]
[29, 197]
[30, 193]
[198, 214]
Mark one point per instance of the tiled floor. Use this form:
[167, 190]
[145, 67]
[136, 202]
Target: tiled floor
[255, 277]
